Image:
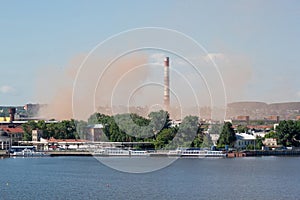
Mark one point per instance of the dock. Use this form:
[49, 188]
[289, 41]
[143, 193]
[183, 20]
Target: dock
[69, 153]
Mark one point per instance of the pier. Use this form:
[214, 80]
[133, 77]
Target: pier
[69, 153]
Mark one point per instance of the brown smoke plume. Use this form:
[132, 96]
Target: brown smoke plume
[55, 86]
[101, 85]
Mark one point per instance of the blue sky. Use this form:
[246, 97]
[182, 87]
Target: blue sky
[37, 35]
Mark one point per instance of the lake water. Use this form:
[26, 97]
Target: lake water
[186, 178]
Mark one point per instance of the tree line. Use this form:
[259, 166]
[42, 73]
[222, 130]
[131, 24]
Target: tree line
[129, 127]
[287, 133]
[65, 129]
[157, 129]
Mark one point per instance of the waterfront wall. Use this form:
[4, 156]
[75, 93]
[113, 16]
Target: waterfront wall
[273, 153]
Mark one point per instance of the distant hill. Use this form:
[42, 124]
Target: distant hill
[248, 105]
[253, 109]
[260, 110]
[285, 106]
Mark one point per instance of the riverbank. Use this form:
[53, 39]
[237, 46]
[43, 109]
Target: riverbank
[165, 153]
[272, 153]
[69, 153]
[3, 153]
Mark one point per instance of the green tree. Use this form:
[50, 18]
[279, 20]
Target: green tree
[41, 125]
[99, 118]
[159, 120]
[81, 127]
[134, 125]
[215, 129]
[288, 133]
[198, 140]
[164, 137]
[207, 142]
[227, 136]
[271, 134]
[258, 142]
[131, 127]
[250, 147]
[242, 129]
[27, 128]
[187, 132]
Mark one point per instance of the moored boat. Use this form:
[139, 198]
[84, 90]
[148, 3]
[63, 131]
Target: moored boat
[118, 152]
[26, 151]
[196, 153]
[29, 153]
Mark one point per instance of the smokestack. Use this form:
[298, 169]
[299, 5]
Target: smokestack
[166, 85]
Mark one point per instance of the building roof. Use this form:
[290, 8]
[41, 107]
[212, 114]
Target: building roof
[12, 130]
[260, 126]
[95, 126]
[244, 136]
[52, 139]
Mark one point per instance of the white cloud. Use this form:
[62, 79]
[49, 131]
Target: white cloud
[6, 89]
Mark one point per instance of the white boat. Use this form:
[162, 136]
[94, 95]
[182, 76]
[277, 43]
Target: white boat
[28, 153]
[98, 152]
[139, 153]
[196, 153]
[118, 152]
[111, 152]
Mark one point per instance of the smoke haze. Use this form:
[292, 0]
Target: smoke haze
[77, 91]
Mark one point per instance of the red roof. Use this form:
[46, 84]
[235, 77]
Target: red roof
[260, 127]
[52, 139]
[12, 130]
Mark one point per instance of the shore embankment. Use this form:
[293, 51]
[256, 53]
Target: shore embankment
[69, 153]
[253, 153]
[164, 154]
[273, 153]
[250, 153]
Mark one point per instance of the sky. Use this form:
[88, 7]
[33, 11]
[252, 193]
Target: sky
[255, 43]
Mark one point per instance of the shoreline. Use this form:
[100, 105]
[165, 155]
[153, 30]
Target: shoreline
[249, 153]
[160, 154]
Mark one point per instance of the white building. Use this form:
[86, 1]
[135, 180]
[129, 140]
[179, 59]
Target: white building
[175, 123]
[270, 142]
[259, 134]
[214, 138]
[243, 140]
[36, 135]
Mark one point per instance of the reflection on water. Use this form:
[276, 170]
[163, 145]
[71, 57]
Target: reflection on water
[137, 164]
